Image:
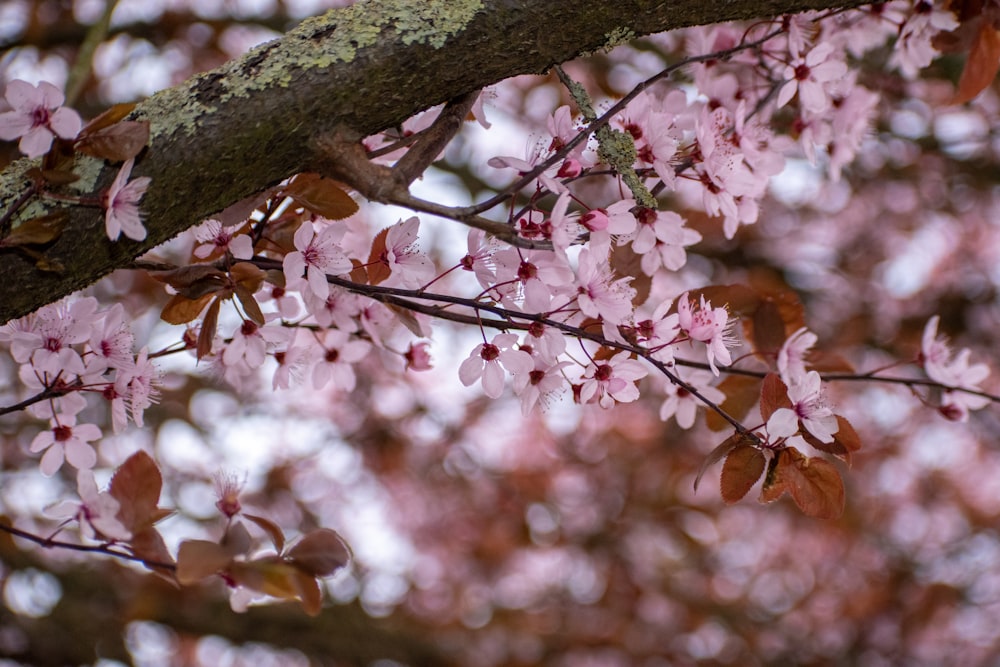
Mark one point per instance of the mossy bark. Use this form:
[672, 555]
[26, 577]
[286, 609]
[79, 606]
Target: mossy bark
[234, 131]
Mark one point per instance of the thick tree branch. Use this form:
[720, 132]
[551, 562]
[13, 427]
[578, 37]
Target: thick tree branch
[236, 130]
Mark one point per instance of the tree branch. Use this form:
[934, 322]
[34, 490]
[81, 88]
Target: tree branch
[243, 127]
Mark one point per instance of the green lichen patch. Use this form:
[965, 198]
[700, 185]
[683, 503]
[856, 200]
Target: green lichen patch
[319, 42]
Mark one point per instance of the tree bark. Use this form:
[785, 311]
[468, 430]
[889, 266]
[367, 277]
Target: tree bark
[234, 131]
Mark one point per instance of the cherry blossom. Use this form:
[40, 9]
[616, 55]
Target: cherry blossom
[121, 204]
[139, 384]
[111, 343]
[682, 405]
[410, 268]
[957, 372]
[417, 357]
[791, 356]
[479, 258]
[914, 47]
[66, 440]
[809, 75]
[545, 343]
[661, 239]
[45, 339]
[216, 238]
[603, 223]
[808, 407]
[96, 511]
[612, 381]
[600, 293]
[538, 386]
[547, 179]
[337, 353]
[531, 277]
[293, 362]
[37, 117]
[316, 255]
[228, 486]
[708, 325]
[488, 361]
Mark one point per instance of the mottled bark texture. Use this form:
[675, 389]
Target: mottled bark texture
[234, 131]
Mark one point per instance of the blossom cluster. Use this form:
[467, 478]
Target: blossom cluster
[70, 350]
[310, 297]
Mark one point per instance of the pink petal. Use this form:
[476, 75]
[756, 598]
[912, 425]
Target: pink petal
[23, 96]
[66, 123]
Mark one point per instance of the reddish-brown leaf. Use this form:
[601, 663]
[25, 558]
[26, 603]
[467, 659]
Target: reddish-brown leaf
[236, 540]
[717, 455]
[740, 300]
[250, 306]
[409, 320]
[269, 575]
[117, 142]
[378, 268]
[768, 328]
[359, 273]
[845, 441]
[320, 553]
[813, 483]
[741, 393]
[981, 66]
[604, 353]
[309, 594]
[209, 327]
[148, 544]
[742, 469]
[237, 213]
[272, 530]
[37, 231]
[321, 196]
[628, 264]
[136, 486]
[250, 276]
[197, 559]
[107, 118]
[828, 362]
[184, 278]
[181, 310]
[773, 395]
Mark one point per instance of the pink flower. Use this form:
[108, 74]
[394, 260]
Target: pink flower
[540, 384]
[121, 204]
[914, 48]
[417, 357]
[487, 362]
[139, 384]
[338, 354]
[218, 238]
[810, 77]
[708, 325]
[530, 277]
[316, 255]
[97, 511]
[612, 381]
[661, 239]
[682, 405]
[409, 267]
[957, 373]
[111, 342]
[37, 117]
[66, 440]
[228, 487]
[600, 293]
[808, 408]
[791, 356]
